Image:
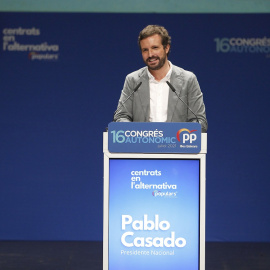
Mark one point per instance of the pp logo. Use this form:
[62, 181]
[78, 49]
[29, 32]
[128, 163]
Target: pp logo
[188, 136]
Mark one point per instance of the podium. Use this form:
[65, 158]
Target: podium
[154, 196]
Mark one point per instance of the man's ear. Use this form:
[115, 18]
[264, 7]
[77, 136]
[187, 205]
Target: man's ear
[167, 48]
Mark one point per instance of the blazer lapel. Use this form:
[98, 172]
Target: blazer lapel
[173, 99]
[144, 95]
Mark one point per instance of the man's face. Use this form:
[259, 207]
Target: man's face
[153, 53]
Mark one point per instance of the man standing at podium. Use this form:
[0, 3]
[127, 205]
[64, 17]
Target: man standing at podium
[161, 91]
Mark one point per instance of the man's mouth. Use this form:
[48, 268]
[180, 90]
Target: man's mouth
[151, 60]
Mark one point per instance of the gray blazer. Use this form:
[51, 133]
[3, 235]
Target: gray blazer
[137, 107]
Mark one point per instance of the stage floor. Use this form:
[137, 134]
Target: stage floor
[73, 255]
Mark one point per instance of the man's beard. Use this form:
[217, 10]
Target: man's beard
[159, 65]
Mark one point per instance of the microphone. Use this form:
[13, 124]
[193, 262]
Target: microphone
[122, 103]
[173, 89]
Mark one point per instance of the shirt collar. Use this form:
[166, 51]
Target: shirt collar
[166, 78]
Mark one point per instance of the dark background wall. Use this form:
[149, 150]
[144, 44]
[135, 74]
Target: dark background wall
[53, 114]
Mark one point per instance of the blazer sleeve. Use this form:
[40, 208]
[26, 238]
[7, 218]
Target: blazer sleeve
[124, 112]
[196, 103]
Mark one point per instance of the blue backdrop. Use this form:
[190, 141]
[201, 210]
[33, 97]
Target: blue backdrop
[60, 81]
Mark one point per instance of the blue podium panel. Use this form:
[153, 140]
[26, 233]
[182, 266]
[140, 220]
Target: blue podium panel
[154, 207]
[154, 196]
[132, 137]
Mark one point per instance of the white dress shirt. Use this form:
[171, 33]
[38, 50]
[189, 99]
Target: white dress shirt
[159, 95]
